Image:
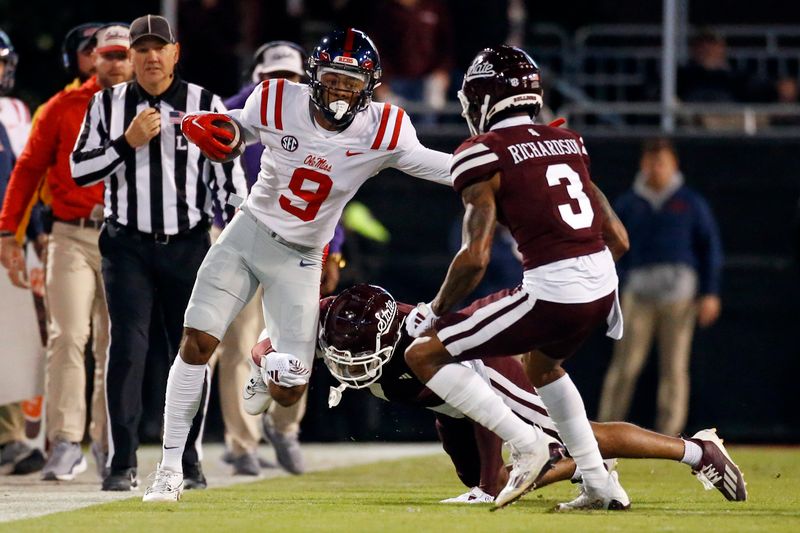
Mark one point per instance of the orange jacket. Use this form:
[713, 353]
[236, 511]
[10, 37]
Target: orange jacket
[49, 149]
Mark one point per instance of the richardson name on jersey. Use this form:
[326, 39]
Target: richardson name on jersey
[522, 151]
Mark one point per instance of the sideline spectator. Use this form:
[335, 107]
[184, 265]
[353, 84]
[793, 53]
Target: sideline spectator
[76, 53]
[787, 91]
[670, 280]
[16, 456]
[75, 297]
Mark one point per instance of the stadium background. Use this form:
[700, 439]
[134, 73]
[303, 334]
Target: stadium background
[743, 369]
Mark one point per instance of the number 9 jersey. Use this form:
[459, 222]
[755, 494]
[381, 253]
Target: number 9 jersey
[309, 174]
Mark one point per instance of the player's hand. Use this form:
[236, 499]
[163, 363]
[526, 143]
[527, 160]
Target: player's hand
[262, 348]
[708, 310]
[198, 129]
[330, 275]
[285, 370]
[143, 127]
[13, 259]
[420, 320]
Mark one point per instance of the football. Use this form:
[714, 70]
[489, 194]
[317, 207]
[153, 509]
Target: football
[237, 143]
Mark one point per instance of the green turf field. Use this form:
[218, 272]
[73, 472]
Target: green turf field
[403, 496]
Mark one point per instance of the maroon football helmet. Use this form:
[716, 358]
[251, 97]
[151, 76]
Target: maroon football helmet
[500, 80]
[359, 334]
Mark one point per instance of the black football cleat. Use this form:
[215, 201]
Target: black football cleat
[193, 477]
[121, 480]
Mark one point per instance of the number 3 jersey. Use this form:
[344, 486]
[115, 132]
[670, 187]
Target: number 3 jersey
[547, 202]
[309, 174]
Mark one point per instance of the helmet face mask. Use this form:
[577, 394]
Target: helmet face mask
[500, 81]
[349, 53]
[360, 370]
[359, 334]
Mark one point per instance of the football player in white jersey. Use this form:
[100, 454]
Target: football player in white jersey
[327, 138]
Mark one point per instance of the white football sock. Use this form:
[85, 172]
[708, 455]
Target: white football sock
[184, 392]
[467, 392]
[565, 405]
[692, 453]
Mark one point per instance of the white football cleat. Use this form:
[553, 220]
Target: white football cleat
[167, 486]
[527, 469]
[256, 393]
[611, 498]
[475, 495]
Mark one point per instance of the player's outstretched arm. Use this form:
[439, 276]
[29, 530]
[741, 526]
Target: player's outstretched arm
[614, 232]
[469, 264]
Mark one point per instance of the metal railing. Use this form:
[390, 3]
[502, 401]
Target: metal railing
[634, 118]
[614, 62]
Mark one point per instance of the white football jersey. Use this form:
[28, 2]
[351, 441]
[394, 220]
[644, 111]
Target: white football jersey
[16, 119]
[316, 172]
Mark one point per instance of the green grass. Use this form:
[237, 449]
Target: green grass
[403, 496]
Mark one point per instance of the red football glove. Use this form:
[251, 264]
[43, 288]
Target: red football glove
[198, 128]
[558, 122]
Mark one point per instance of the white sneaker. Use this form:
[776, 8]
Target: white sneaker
[475, 495]
[612, 498]
[528, 468]
[167, 486]
[256, 393]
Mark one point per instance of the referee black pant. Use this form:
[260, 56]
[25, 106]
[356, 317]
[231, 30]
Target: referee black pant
[137, 267]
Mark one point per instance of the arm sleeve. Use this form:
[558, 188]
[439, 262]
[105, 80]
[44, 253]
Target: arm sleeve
[225, 179]
[708, 249]
[39, 154]
[413, 158]
[95, 155]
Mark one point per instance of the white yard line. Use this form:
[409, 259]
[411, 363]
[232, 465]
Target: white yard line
[28, 496]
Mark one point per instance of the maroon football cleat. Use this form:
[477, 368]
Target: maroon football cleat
[717, 469]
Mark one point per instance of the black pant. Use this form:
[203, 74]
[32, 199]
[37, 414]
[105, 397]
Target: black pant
[135, 270]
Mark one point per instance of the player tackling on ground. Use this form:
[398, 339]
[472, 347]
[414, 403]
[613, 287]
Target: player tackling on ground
[535, 180]
[362, 339]
[327, 138]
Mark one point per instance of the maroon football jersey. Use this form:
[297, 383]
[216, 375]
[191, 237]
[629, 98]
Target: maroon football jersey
[545, 198]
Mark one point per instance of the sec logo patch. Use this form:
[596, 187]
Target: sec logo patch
[289, 143]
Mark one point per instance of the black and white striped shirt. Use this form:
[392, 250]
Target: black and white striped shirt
[166, 186]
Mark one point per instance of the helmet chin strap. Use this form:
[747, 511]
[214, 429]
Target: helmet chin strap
[339, 108]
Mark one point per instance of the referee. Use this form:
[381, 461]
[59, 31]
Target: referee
[159, 195]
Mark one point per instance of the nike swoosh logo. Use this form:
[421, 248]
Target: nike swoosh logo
[171, 447]
[349, 153]
[304, 264]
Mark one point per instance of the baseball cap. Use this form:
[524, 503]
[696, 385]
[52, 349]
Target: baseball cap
[114, 38]
[278, 56]
[151, 26]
